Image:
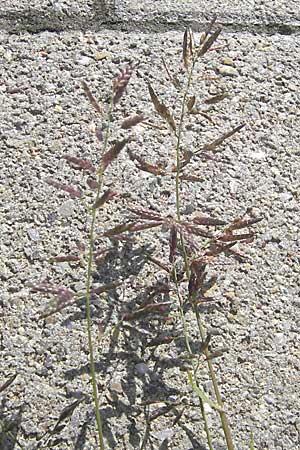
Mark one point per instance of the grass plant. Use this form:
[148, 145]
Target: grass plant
[194, 244]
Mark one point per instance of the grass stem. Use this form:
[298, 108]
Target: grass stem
[223, 417]
[88, 289]
[89, 331]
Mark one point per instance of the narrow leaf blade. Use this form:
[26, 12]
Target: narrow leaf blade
[238, 224]
[229, 237]
[216, 98]
[202, 395]
[212, 146]
[108, 195]
[191, 103]
[161, 109]
[91, 98]
[74, 193]
[173, 244]
[65, 258]
[118, 229]
[113, 153]
[65, 414]
[132, 121]
[146, 214]
[203, 220]
[209, 42]
[8, 382]
[80, 163]
[185, 56]
[145, 166]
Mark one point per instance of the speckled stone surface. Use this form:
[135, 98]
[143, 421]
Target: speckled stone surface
[44, 115]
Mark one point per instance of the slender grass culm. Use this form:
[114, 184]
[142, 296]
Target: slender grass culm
[194, 245]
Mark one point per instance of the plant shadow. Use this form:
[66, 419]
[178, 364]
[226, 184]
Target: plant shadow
[110, 273]
[10, 426]
[137, 382]
[57, 19]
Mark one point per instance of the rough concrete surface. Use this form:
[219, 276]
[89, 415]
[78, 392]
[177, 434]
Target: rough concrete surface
[46, 48]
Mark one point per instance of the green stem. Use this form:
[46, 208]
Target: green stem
[182, 115]
[88, 290]
[223, 417]
[187, 343]
[89, 331]
[180, 128]
[203, 413]
[185, 332]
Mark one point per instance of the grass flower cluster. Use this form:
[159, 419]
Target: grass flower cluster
[193, 246]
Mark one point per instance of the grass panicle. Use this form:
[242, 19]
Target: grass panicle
[193, 247]
[121, 82]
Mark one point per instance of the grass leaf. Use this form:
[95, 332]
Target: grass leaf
[108, 195]
[209, 42]
[64, 297]
[193, 229]
[113, 153]
[65, 258]
[161, 108]
[217, 248]
[191, 102]
[159, 263]
[74, 193]
[204, 220]
[212, 146]
[238, 224]
[146, 167]
[132, 121]
[144, 226]
[202, 395]
[91, 98]
[118, 229]
[160, 308]
[146, 214]
[106, 287]
[216, 98]
[80, 163]
[120, 83]
[218, 353]
[173, 243]
[65, 414]
[229, 237]
[173, 79]
[8, 382]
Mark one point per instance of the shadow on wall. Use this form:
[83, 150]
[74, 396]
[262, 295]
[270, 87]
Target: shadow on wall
[58, 18]
[10, 422]
[104, 13]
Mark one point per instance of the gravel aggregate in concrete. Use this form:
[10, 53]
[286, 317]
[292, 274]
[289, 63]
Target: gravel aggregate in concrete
[44, 114]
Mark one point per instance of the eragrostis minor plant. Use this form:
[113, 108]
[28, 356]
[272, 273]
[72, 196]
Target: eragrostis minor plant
[194, 244]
